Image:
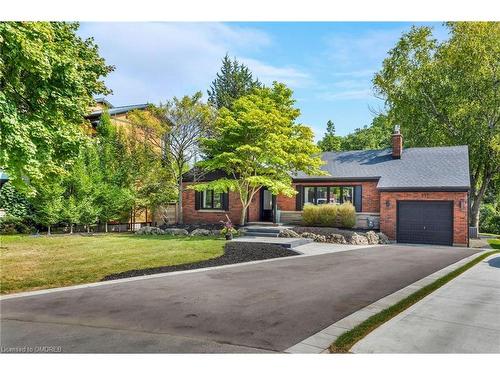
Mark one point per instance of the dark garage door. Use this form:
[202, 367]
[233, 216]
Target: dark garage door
[429, 222]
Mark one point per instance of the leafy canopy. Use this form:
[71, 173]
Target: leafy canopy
[48, 76]
[258, 143]
[448, 93]
[373, 137]
[330, 141]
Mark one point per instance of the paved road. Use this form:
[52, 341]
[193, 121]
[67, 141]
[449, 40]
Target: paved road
[461, 317]
[268, 306]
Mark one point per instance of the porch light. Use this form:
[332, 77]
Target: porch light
[461, 204]
[388, 203]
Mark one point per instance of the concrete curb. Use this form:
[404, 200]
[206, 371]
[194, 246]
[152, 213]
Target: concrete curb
[321, 341]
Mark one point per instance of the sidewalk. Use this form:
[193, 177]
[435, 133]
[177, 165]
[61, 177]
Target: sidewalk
[461, 317]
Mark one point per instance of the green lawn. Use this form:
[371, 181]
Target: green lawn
[495, 244]
[30, 263]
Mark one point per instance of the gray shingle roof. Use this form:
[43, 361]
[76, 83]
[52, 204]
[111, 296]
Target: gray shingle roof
[426, 168]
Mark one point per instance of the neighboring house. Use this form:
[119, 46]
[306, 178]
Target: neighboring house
[119, 118]
[118, 114]
[415, 195]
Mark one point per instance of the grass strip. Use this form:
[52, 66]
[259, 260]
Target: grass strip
[345, 341]
[495, 244]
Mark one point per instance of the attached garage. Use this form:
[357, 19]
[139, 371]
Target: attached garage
[426, 222]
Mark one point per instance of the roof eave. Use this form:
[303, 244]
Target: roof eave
[426, 188]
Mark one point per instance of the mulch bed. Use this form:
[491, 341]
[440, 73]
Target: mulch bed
[234, 252]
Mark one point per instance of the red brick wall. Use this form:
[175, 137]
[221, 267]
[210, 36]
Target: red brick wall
[193, 216]
[371, 196]
[388, 217]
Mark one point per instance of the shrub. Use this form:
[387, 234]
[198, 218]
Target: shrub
[327, 215]
[13, 225]
[346, 215]
[489, 219]
[310, 214]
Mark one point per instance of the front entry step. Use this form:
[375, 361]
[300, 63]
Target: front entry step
[263, 230]
[288, 243]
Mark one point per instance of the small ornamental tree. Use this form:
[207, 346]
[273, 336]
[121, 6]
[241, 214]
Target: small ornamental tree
[258, 144]
[48, 203]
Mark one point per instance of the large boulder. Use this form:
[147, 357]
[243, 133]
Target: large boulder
[382, 238]
[335, 238]
[372, 237]
[357, 239]
[288, 233]
[314, 237]
[176, 231]
[149, 230]
[200, 232]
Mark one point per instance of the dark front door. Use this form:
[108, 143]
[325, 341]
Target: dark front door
[266, 205]
[428, 222]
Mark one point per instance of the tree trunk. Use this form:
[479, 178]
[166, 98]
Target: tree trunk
[478, 197]
[88, 228]
[106, 226]
[71, 229]
[179, 200]
[243, 215]
[48, 230]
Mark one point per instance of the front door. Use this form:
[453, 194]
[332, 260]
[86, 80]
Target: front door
[266, 205]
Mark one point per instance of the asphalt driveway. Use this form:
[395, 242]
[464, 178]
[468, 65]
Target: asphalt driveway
[268, 306]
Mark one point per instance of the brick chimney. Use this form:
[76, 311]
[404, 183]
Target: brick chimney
[397, 143]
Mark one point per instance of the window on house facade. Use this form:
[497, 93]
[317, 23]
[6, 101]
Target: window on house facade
[328, 194]
[211, 200]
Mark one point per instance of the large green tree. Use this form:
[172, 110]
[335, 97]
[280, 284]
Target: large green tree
[258, 143]
[330, 141]
[173, 131]
[373, 137]
[48, 76]
[232, 82]
[448, 93]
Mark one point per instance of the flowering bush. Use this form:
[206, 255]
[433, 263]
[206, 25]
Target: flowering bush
[228, 227]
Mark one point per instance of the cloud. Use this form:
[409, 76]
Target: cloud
[352, 50]
[269, 73]
[155, 61]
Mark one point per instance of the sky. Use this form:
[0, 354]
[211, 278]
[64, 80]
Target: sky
[329, 66]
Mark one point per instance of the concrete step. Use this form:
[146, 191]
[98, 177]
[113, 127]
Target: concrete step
[263, 229]
[289, 243]
[261, 234]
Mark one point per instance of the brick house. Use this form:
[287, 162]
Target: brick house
[415, 195]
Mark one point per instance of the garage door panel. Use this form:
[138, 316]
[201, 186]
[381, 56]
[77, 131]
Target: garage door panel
[429, 222]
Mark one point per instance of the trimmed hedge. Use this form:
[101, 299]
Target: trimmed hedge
[329, 215]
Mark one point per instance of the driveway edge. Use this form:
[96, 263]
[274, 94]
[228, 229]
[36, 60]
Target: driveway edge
[157, 275]
[321, 341]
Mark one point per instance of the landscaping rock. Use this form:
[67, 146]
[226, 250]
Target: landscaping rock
[335, 238]
[204, 232]
[382, 238]
[372, 237]
[288, 233]
[215, 232]
[176, 231]
[357, 239]
[314, 237]
[149, 230]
